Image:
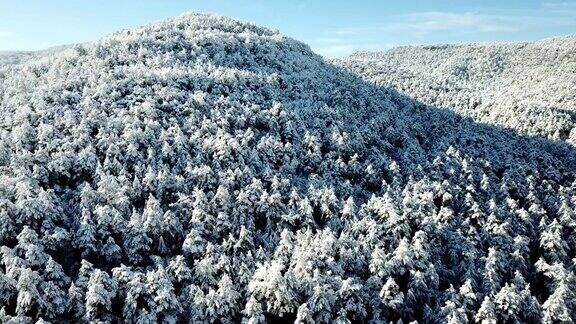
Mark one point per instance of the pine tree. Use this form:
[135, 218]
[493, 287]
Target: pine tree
[7, 288]
[487, 312]
[267, 281]
[136, 240]
[29, 301]
[100, 291]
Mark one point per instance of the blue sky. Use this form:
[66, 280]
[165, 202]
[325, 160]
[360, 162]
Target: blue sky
[332, 28]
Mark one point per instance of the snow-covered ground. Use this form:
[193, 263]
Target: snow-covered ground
[203, 169]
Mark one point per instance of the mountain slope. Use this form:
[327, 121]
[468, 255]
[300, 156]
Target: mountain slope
[8, 58]
[203, 169]
[528, 87]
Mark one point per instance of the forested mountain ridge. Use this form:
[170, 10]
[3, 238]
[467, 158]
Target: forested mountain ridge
[9, 57]
[16, 57]
[526, 86]
[203, 169]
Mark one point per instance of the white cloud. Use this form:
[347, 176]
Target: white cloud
[418, 24]
[5, 34]
[350, 31]
[302, 5]
[422, 23]
[560, 5]
[559, 12]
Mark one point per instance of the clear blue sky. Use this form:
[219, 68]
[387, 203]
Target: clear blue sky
[332, 28]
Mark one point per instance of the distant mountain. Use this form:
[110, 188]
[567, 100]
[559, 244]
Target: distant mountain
[201, 169]
[9, 58]
[17, 57]
[529, 87]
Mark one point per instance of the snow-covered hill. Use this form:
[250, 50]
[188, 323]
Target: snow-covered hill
[529, 87]
[203, 169]
[9, 58]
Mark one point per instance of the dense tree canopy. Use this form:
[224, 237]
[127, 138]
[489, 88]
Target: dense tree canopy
[203, 169]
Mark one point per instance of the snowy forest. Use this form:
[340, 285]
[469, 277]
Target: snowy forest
[527, 87]
[9, 58]
[202, 169]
